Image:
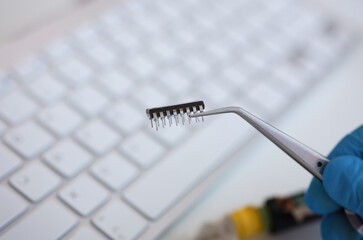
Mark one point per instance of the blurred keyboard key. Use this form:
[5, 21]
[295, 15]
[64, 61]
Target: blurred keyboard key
[288, 78]
[237, 76]
[7, 83]
[68, 158]
[114, 171]
[85, 233]
[119, 222]
[3, 128]
[175, 81]
[214, 94]
[59, 50]
[9, 162]
[12, 206]
[84, 195]
[29, 140]
[49, 221]
[270, 99]
[29, 68]
[87, 35]
[141, 66]
[89, 100]
[125, 39]
[74, 71]
[60, 119]
[142, 149]
[35, 181]
[115, 83]
[98, 137]
[149, 97]
[47, 89]
[171, 136]
[15, 108]
[125, 117]
[102, 56]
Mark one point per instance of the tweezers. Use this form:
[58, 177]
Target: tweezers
[311, 160]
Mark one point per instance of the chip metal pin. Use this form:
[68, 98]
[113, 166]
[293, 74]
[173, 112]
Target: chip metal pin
[195, 111]
[201, 110]
[188, 113]
[182, 115]
[176, 117]
[162, 117]
[168, 115]
[155, 117]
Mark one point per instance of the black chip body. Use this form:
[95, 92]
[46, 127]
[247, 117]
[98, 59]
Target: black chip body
[184, 107]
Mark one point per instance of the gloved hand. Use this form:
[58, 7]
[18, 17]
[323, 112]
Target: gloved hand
[342, 187]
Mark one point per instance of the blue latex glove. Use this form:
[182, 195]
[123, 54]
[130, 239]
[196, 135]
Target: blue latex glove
[342, 187]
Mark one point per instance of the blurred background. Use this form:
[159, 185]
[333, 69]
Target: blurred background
[297, 64]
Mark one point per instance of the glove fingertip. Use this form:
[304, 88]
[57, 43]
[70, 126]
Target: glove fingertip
[343, 181]
[318, 200]
[335, 226]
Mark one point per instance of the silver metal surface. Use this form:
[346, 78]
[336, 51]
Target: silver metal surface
[311, 160]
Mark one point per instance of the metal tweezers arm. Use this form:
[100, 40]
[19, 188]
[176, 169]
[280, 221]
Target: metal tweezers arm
[305, 156]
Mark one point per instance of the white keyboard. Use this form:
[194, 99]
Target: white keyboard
[78, 158]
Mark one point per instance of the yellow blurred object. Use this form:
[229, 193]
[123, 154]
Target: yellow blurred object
[248, 222]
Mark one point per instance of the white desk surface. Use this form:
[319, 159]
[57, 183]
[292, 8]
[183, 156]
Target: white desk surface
[331, 110]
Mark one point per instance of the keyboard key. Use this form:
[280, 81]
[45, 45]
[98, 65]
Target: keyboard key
[47, 89]
[68, 158]
[15, 108]
[35, 181]
[84, 195]
[142, 149]
[29, 140]
[235, 76]
[125, 117]
[163, 50]
[171, 136]
[89, 101]
[9, 162]
[114, 171]
[74, 71]
[87, 36]
[148, 97]
[267, 97]
[49, 221]
[198, 65]
[141, 66]
[101, 56]
[3, 128]
[29, 68]
[85, 233]
[163, 185]
[119, 222]
[12, 206]
[214, 94]
[97, 137]
[175, 81]
[59, 50]
[125, 39]
[7, 83]
[60, 119]
[115, 84]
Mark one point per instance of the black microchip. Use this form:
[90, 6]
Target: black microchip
[178, 108]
